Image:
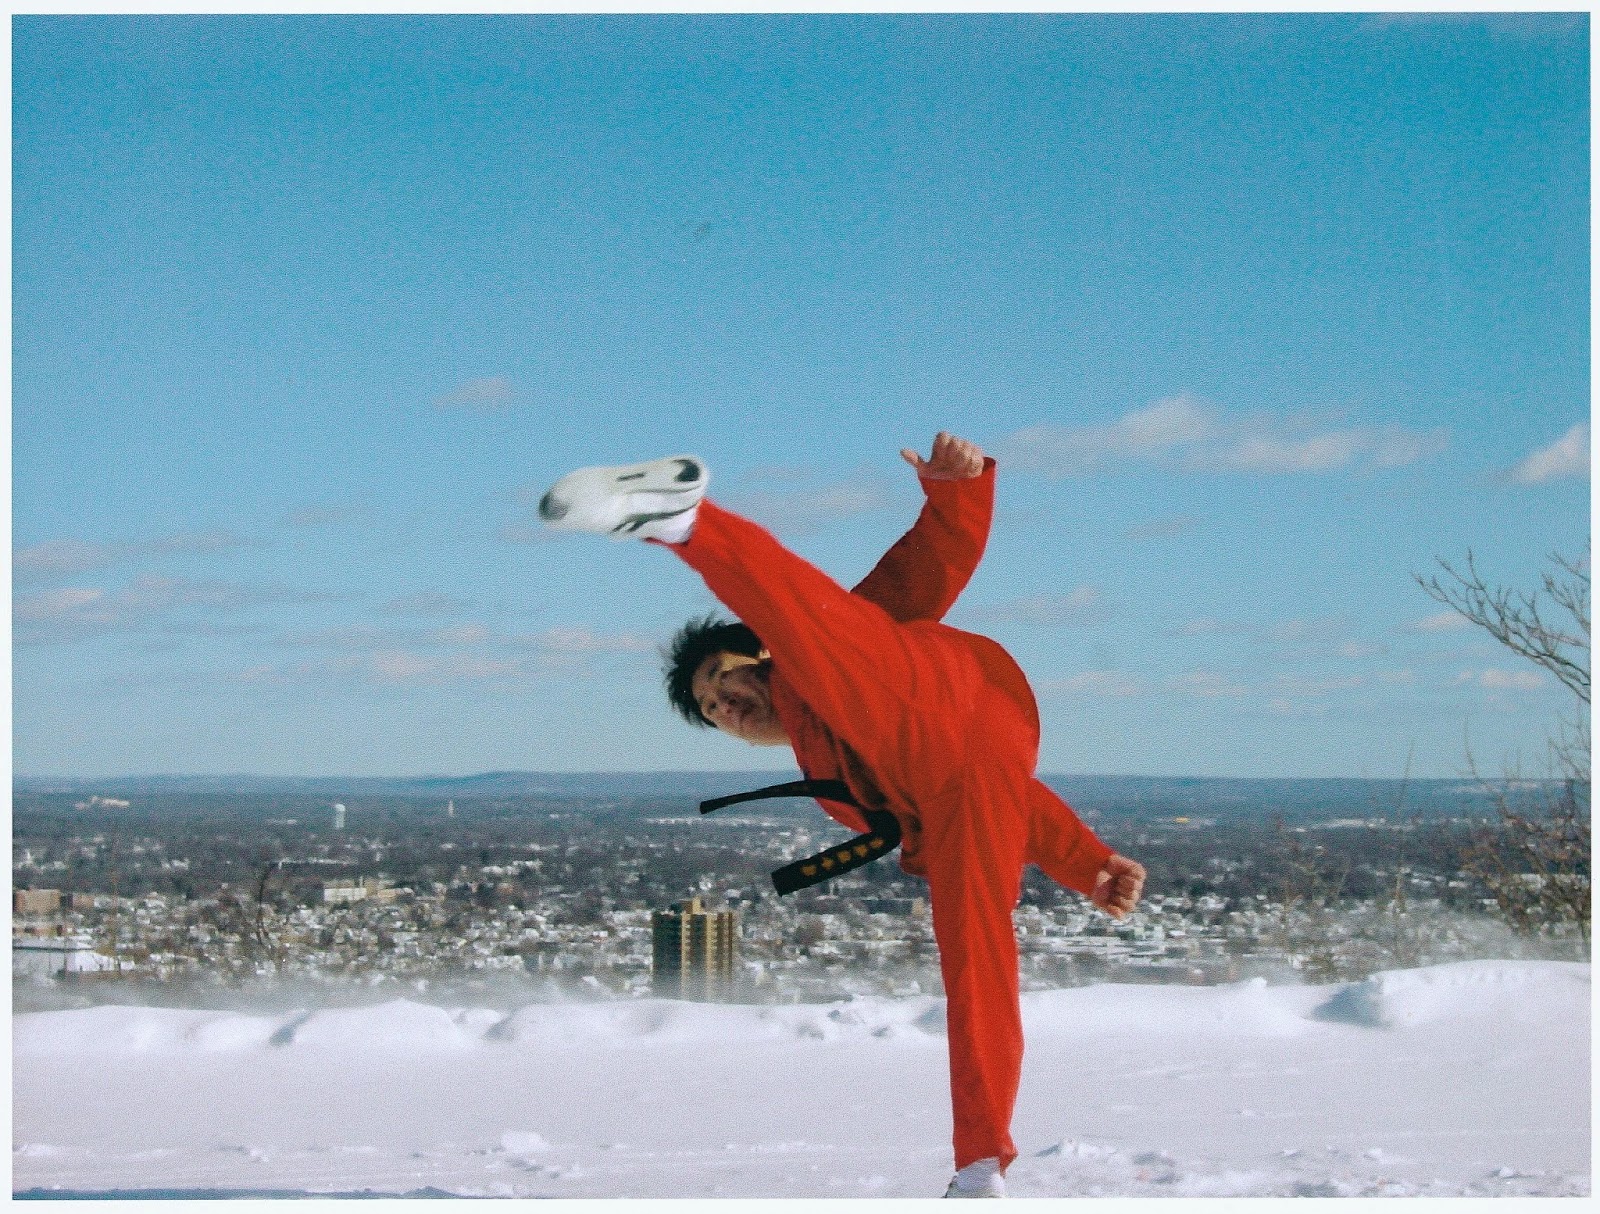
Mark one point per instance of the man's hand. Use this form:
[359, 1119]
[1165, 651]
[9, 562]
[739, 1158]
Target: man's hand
[1117, 888]
[953, 459]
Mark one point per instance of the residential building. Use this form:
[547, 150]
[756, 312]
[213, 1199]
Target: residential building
[692, 951]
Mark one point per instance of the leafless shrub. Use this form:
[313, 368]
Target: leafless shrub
[1534, 858]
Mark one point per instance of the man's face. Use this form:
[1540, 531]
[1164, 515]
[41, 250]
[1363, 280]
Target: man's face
[734, 693]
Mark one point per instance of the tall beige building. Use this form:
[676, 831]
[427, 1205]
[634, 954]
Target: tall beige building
[692, 951]
[35, 901]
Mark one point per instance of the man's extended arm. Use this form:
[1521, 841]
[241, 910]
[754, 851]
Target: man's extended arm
[920, 577]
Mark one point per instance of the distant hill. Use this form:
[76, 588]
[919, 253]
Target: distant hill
[484, 785]
[1297, 800]
[1134, 797]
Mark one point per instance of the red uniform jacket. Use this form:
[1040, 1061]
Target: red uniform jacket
[916, 582]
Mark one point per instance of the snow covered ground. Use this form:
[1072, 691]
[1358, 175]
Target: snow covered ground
[1469, 1079]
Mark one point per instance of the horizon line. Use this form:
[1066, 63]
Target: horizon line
[706, 771]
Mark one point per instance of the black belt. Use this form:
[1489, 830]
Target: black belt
[882, 837]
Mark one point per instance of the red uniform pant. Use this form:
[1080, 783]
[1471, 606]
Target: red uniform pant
[953, 748]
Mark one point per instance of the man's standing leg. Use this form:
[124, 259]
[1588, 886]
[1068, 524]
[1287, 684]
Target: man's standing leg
[974, 847]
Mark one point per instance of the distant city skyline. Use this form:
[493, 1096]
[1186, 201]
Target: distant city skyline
[1261, 314]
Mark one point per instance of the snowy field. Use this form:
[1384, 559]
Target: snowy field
[1457, 1080]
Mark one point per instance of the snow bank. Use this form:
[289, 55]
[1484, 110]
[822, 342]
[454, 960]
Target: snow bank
[406, 1025]
[397, 1025]
[1248, 1009]
[119, 1031]
[661, 1021]
[1518, 992]
[1505, 991]
[1481, 1072]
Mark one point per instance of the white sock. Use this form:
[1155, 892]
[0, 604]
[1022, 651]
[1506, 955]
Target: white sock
[674, 530]
[980, 1174]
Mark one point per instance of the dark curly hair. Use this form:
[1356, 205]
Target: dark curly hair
[693, 644]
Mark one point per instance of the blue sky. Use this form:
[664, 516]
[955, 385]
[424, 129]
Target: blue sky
[1259, 313]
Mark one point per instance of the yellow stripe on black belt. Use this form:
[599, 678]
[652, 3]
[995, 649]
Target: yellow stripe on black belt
[882, 837]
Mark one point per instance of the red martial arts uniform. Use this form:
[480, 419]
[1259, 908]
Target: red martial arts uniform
[935, 725]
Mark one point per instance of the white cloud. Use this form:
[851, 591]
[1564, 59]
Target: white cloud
[399, 666]
[1442, 621]
[582, 640]
[63, 607]
[1567, 456]
[152, 594]
[1273, 446]
[1154, 431]
[463, 654]
[566, 641]
[55, 559]
[75, 613]
[1177, 421]
[1274, 453]
[1323, 630]
[1395, 448]
[1184, 432]
[1494, 679]
[60, 558]
[1318, 639]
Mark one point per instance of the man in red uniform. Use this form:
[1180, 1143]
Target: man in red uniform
[934, 725]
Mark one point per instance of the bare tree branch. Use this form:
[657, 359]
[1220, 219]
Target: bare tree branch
[1535, 858]
[1516, 621]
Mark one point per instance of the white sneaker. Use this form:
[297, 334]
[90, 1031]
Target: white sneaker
[980, 1179]
[654, 500]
